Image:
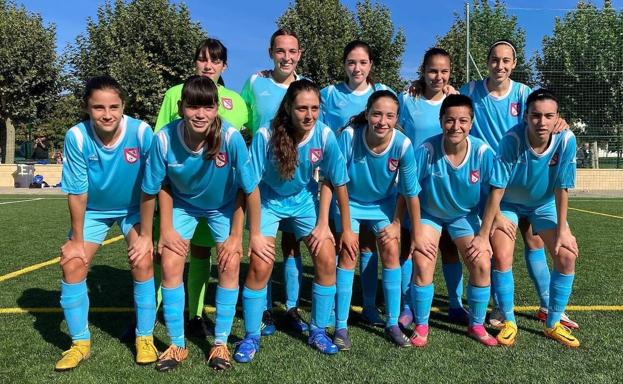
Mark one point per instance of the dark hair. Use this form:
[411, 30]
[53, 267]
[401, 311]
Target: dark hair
[358, 44]
[456, 101]
[282, 32]
[541, 94]
[213, 49]
[284, 139]
[201, 91]
[502, 42]
[100, 83]
[362, 117]
[428, 55]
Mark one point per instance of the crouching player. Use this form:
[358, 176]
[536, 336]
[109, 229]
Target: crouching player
[205, 161]
[452, 167]
[532, 172]
[103, 166]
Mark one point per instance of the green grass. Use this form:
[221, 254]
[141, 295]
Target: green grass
[31, 343]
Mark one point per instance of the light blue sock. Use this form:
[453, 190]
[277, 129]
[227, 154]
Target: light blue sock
[173, 307]
[477, 299]
[269, 295]
[145, 306]
[75, 304]
[292, 276]
[536, 262]
[369, 274]
[560, 290]
[505, 290]
[226, 299]
[323, 298]
[453, 275]
[391, 291]
[422, 299]
[253, 302]
[344, 288]
[406, 270]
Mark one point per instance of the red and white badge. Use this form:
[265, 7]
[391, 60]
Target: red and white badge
[220, 160]
[515, 109]
[392, 164]
[554, 160]
[227, 103]
[131, 155]
[315, 155]
[474, 176]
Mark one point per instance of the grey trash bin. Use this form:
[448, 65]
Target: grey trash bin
[24, 175]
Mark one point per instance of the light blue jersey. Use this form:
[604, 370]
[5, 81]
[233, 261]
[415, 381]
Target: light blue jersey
[530, 178]
[319, 149]
[262, 96]
[109, 175]
[339, 103]
[494, 116]
[419, 117]
[448, 191]
[197, 183]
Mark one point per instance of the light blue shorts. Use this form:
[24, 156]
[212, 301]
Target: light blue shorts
[297, 213]
[374, 216]
[541, 218]
[218, 220]
[97, 224]
[462, 226]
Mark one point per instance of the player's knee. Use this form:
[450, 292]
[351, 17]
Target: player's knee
[74, 270]
[566, 260]
[481, 266]
[261, 269]
[144, 265]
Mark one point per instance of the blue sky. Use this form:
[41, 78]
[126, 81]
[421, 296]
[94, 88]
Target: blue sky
[245, 26]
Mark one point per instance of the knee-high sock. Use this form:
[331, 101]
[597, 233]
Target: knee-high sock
[344, 295]
[145, 306]
[536, 262]
[268, 305]
[198, 278]
[253, 302]
[560, 291]
[158, 284]
[453, 275]
[505, 290]
[391, 291]
[477, 299]
[406, 270]
[422, 299]
[226, 299]
[75, 304]
[368, 274]
[323, 298]
[173, 306]
[292, 277]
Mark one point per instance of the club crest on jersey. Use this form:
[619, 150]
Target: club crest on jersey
[554, 160]
[227, 103]
[130, 155]
[514, 109]
[315, 155]
[474, 176]
[392, 164]
[220, 160]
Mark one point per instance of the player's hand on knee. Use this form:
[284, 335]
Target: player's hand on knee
[564, 239]
[390, 233]
[505, 225]
[424, 245]
[228, 251]
[262, 248]
[143, 247]
[170, 239]
[349, 243]
[318, 236]
[479, 247]
[73, 250]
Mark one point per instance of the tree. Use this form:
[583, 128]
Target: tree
[29, 70]
[582, 63]
[487, 24]
[324, 27]
[147, 45]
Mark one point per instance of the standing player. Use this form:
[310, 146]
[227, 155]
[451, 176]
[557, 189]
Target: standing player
[452, 167]
[419, 117]
[533, 170]
[205, 161]
[499, 104]
[285, 154]
[263, 93]
[211, 62]
[104, 162]
[339, 103]
[375, 152]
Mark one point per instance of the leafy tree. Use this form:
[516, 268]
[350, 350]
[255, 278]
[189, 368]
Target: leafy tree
[488, 23]
[324, 27]
[29, 70]
[147, 45]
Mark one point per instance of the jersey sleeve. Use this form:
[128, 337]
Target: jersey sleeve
[242, 163]
[248, 97]
[168, 110]
[504, 163]
[146, 139]
[333, 163]
[567, 171]
[345, 143]
[408, 183]
[156, 166]
[74, 178]
[324, 94]
[259, 153]
[486, 164]
[422, 159]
